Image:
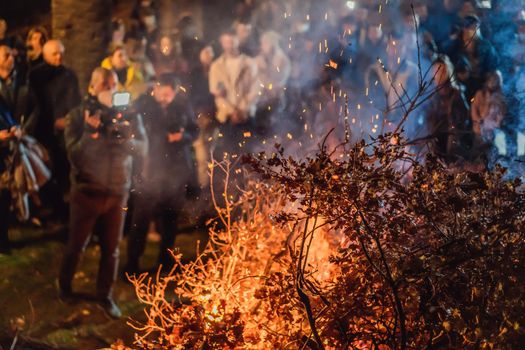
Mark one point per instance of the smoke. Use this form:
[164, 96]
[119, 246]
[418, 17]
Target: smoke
[361, 65]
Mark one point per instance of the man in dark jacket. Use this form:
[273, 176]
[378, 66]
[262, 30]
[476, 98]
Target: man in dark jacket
[479, 52]
[54, 90]
[101, 155]
[169, 169]
[12, 93]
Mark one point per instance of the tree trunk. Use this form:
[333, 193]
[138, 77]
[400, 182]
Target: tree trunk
[83, 27]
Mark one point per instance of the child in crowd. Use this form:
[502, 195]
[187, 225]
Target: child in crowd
[488, 107]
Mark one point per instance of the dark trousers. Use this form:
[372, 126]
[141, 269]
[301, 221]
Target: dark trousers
[5, 216]
[236, 139]
[163, 209]
[85, 211]
[53, 193]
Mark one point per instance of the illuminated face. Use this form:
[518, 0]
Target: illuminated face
[266, 45]
[206, 55]
[119, 60]
[105, 85]
[150, 22]
[119, 34]
[243, 31]
[35, 41]
[470, 34]
[164, 95]
[493, 82]
[7, 60]
[374, 33]
[54, 53]
[229, 44]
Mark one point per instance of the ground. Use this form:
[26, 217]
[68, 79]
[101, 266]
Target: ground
[34, 317]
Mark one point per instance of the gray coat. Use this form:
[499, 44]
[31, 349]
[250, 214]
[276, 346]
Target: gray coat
[102, 165]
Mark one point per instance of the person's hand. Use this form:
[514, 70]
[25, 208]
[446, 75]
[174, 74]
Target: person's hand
[16, 132]
[93, 121]
[5, 135]
[175, 136]
[11, 133]
[60, 123]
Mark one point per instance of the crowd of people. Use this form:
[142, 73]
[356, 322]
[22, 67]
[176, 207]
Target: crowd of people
[286, 69]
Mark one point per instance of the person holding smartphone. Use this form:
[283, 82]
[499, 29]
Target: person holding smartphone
[101, 155]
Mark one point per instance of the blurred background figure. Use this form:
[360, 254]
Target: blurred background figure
[204, 106]
[36, 38]
[488, 109]
[479, 52]
[117, 33]
[234, 84]
[55, 92]
[130, 77]
[167, 172]
[8, 127]
[248, 41]
[274, 69]
[167, 59]
[448, 115]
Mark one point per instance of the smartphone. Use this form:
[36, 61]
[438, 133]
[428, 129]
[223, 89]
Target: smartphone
[121, 99]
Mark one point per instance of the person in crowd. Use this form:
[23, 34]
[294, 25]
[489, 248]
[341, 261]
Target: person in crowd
[372, 47]
[7, 131]
[167, 58]
[248, 42]
[13, 41]
[444, 22]
[36, 39]
[447, 114]
[462, 70]
[142, 6]
[10, 95]
[129, 77]
[54, 92]
[390, 84]
[417, 42]
[233, 82]
[101, 154]
[204, 105]
[13, 89]
[345, 52]
[190, 43]
[274, 68]
[267, 15]
[117, 33]
[148, 27]
[167, 171]
[479, 52]
[488, 108]
[136, 49]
